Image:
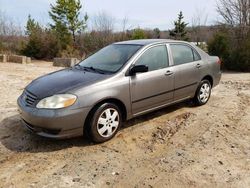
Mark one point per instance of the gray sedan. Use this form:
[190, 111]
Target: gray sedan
[119, 82]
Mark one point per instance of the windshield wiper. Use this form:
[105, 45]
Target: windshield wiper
[86, 68]
[94, 70]
[78, 66]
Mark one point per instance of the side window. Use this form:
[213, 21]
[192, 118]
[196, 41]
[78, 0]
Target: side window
[155, 58]
[181, 54]
[196, 55]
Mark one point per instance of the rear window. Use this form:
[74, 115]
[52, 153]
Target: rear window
[197, 57]
[183, 54]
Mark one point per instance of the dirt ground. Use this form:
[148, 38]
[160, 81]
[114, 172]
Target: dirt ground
[179, 146]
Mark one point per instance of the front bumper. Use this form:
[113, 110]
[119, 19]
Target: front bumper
[58, 124]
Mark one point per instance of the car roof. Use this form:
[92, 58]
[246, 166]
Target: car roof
[145, 42]
[148, 42]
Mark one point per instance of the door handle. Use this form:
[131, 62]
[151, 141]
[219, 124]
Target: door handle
[198, 65]
[169, 73]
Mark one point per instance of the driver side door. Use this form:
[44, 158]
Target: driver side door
[154, 88]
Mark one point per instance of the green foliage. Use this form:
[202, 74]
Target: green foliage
[65, 37]
[138, 34]
[70, 52]
[179, 32]
[235, 54]
[31, 26]
[61, 38]
[42, 43]
[34, 31]
[51, 46]
[240, 56]
[66, 17]
[219, 46]
[32, 49]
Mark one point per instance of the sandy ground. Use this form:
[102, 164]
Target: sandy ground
[179, 146]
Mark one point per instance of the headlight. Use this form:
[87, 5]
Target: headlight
[57, 101]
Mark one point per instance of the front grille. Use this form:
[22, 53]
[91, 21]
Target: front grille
[29, 98]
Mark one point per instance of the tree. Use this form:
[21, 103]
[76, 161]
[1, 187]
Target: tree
[138, 34]
[157, 33]
[179, 32]
[66, 17]
[234, 12]
[235, 16]
[103, 22]
[31, 26]
[124, 23]
[125, 27]
[199, 20]
[10, 34]
[8, 27]
[103, 27]
[219, 45]
[34, 32]
[42, 43]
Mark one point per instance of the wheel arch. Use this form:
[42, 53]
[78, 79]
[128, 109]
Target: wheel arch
[209, 78]
[115, 101]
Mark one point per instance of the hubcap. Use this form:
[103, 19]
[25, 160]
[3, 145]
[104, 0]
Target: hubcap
[108, 122]
[204, 93]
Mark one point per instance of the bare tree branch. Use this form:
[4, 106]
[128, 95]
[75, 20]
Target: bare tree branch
[235, 12]
[198, 21]
[8, 27]
[103, 22]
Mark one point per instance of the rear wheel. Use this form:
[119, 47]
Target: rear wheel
[203, 93]
[105, 122]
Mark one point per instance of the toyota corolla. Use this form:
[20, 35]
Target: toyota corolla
[119, 82]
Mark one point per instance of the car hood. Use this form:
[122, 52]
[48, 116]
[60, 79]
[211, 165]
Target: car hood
[63, 81]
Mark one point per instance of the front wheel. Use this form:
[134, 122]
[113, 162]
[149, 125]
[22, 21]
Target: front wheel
[105, 122]
[203, 93]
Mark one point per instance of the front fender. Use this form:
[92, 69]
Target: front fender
[117, 88]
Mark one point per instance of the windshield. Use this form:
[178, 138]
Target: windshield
[111, 58]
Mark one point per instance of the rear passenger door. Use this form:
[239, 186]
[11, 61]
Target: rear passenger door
[187, 64]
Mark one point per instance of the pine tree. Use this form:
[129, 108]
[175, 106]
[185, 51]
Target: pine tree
[34, 44]
[42, 43]
[179, 32]
[31, 26]
[66, 17]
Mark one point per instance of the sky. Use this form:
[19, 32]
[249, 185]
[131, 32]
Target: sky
[140, 13]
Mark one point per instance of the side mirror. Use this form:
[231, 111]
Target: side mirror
[138, 68]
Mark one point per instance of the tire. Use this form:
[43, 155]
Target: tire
[203, 93]
[105, 122]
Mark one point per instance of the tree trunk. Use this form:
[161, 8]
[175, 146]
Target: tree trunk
[74, 37]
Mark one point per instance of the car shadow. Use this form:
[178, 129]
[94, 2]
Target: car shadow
[16, 138]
